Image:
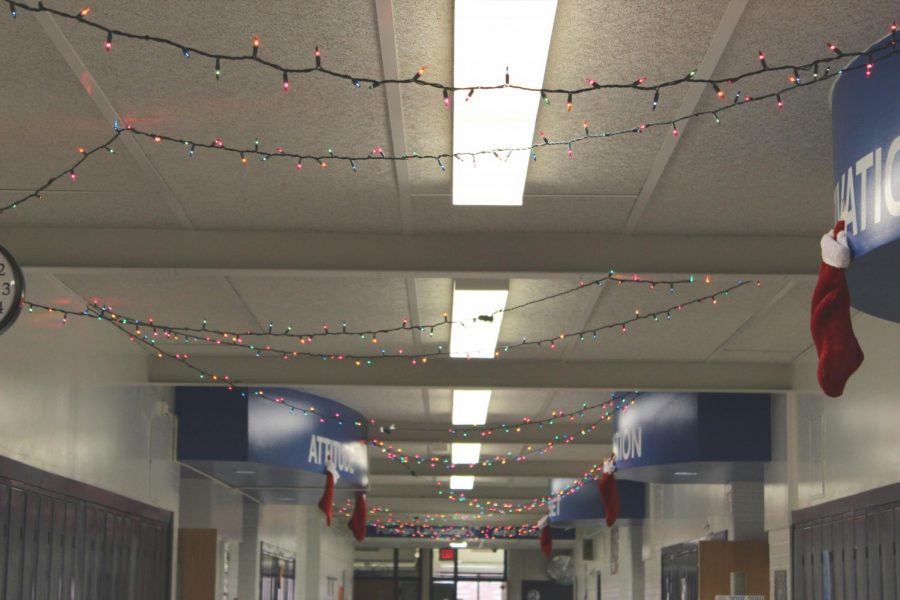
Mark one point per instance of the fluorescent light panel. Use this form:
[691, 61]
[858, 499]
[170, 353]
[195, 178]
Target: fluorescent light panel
[489, 36]
[462, 482]
[465, 453]
[470, 407]
[459, 545]
[469, 337]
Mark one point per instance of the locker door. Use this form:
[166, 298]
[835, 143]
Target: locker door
[93, 547]
[16, 543]
[145, 561]
[873, 558]
[57, 549]
[131, 546]
[112, 553]
[71, 554]
[837, 554]
[30, 545]
[4, 534]
[897, 551]
[849, 573]
[797, 550]
[44, 548]
[159, 562]
[860, 566]
[816, 561]
[886, 551]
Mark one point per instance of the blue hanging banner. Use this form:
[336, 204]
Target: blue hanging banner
[585, 503]
[263, 445]
[693, 437]
[866, 139]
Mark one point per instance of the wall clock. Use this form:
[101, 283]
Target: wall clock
[12, 290]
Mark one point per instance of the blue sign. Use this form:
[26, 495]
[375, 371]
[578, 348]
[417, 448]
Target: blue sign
[866, 140]
[285, 433]
[585, 503]
[706, 436]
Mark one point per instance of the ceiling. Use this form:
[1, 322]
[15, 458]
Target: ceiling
[153, 232]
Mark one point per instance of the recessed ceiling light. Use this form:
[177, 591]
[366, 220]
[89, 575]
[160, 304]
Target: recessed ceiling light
[462, 482]
[459, 544]
[470, 336]
[685, 473]
[244, 472]
[491, 36]
[470, 407]
[465, 453]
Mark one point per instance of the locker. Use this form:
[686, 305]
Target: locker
[873, 556]
[30, 544]
[63, 548]
[4, 535]
[886, 554]
[57, 548]
[847, 558]
[837, 554]
[816, 561]
[70, 552]
[93, 540]
[44, 547]
[860, 565]
[16, 540]
[897, 551]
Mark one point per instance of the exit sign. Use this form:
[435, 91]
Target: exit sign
[446, 553]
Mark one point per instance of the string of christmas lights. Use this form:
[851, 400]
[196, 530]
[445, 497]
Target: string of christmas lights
[152, 337]
[620, 404]
[67, 172]
[486, 507]
[206, 332]
[640, 83]
[797, 82]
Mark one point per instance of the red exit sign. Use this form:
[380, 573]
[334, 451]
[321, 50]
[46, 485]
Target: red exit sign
[446, 553]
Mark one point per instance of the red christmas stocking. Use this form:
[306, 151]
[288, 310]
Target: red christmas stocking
[609, 493]
[327, 499]
[546, 536]
[832, 332]
[357, 523]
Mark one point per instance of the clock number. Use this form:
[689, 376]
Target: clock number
[6, 289]
[1, 308]
[2, 269]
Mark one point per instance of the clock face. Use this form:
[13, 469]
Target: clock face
[12, 290]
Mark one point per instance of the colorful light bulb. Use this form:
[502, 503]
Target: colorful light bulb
[674, 130]
[420, 72]
[12, 10]
[108, 45]
[446, 98]
[72, 176]
[255, 45]
[84, 12]
[762, 60]
[318, 55]
[655, 102]
[285, 85]
[569, 103]
[778, 101]
[218, 69]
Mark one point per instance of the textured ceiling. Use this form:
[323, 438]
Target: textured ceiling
[761, 171]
